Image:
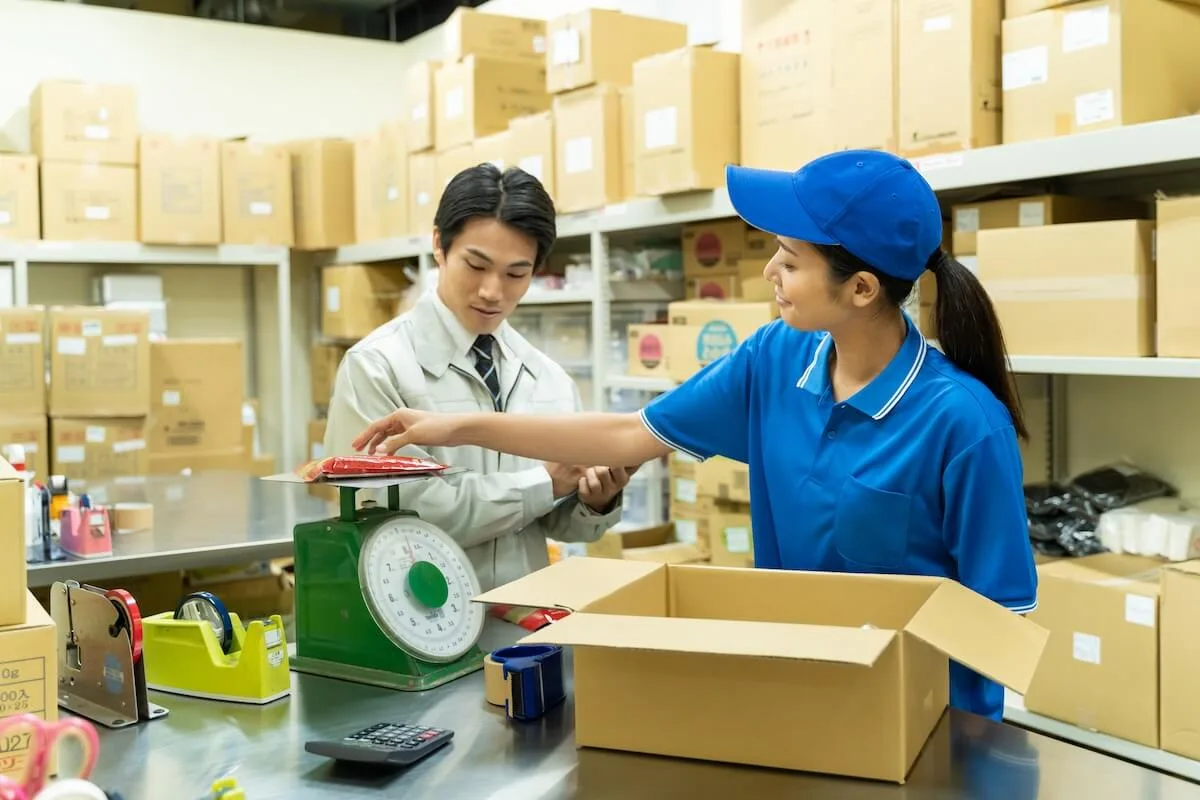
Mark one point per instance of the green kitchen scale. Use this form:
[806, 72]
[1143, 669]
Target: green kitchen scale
[383, 597]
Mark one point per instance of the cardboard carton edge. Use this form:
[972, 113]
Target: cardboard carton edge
[953, 618]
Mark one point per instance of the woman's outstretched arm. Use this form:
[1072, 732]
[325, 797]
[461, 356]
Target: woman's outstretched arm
[611, 440]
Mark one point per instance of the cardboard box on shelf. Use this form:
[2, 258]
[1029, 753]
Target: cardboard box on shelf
[647, 351]
[323, 193]
[20, 202]
[1176, 278]
[28, 673]
[723, 479]
[32, 434]
[681, 144]
[470, 32]
[179, 197]
[81, 122]
[358, 298]
[1099, 275]
[94, 449]
[368, 163]
[588, 166]
[424, 194]
[1179, 658]
[89, 202]
[256, 193]
[380, 184]
[1030, 212]
[495, 148]
[22, 361]
[713, 248]
[324, 361]
[817, 76]
[479, 96]
[99, 362]
[628, 143]
[419, 102]
[949, 75]
[1102, 614]
[704, 330]
[1101, 64]
[532, 147]
[753, 286]
[448, 164]
[600, 46]
[715, 287]
[196, 391]
[12, 546]
[866, 658]
[720, 528]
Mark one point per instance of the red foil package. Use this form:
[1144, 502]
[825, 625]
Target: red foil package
[376, 466]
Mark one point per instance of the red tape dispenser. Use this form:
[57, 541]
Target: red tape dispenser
[336, 468]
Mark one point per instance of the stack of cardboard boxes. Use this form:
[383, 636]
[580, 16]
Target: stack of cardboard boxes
[103, 179]
[117, 404]
[931, 77]
[728, 300]
[1121, 655]
[1074, 276]
[28, 644]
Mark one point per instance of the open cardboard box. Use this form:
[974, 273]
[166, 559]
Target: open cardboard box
[821, 672]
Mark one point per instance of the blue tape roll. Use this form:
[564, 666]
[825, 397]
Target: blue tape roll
[537, 678]
[211, 601]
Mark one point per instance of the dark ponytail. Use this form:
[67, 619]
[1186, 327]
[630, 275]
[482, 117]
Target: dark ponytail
[968, 332]
[967, 328]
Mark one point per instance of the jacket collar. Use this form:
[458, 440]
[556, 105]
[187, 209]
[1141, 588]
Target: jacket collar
[442, 340]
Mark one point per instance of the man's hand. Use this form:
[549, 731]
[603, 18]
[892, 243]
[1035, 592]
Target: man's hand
[599, 487]
[564, 478]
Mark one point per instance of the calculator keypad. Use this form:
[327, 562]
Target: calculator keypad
[393, 736]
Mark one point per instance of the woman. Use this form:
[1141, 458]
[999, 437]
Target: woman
[869, 451]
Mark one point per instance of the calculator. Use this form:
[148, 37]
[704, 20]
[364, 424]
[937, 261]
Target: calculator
[386, 743]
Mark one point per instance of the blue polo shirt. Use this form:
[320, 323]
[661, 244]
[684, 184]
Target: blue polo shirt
[916, 474]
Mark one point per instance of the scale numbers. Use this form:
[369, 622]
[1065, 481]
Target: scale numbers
[418, 585]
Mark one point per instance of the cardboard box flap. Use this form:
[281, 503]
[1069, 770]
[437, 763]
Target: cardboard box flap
[860, 646]
[1186, 567]
[571, 583]
[980, 634]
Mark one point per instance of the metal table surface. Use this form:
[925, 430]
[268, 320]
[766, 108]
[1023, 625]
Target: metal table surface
[207, 519]
[179, 756]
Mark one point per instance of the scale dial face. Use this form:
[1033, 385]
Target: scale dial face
[418, 584]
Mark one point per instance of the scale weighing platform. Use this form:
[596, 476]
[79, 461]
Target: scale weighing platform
[383, 597]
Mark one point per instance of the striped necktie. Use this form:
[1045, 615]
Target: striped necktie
[485, 365]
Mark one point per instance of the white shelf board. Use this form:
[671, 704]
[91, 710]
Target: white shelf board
[1151, 144]
[550, 297]
[1016, 713]
[649, 212]
[1148, 144]
[136, 253]
[1121, 367]
[382, 250]
[639, 383]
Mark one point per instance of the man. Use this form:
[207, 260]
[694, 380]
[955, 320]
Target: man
[454, 351]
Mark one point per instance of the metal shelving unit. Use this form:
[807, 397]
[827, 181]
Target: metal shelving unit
[1151, 151]
[23, 255]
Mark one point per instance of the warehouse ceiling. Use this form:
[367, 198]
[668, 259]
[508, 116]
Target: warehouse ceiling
[394, 20]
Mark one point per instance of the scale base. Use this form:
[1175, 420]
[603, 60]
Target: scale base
[101, 715]
[437, 675]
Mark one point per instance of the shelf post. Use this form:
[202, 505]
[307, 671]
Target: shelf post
[283, 291]
[601, 318]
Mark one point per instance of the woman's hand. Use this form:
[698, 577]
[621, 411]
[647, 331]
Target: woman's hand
[405, 427]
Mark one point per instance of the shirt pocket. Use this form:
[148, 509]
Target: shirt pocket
[871, 525]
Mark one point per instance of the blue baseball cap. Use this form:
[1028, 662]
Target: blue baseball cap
[874, 204]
